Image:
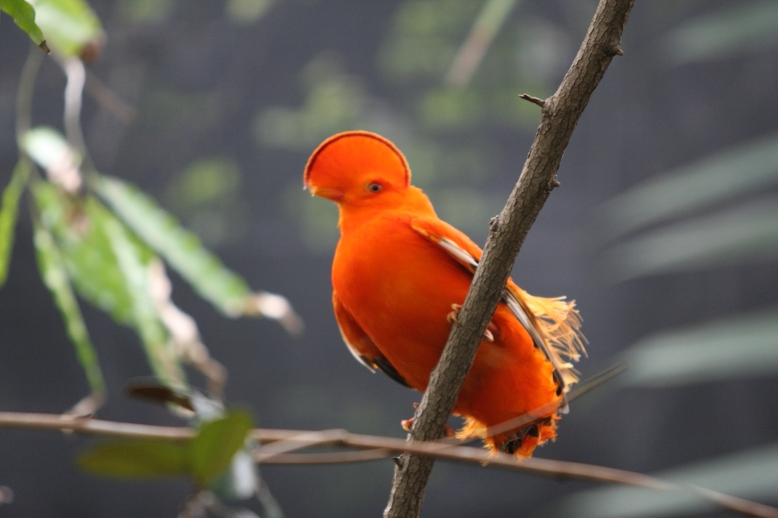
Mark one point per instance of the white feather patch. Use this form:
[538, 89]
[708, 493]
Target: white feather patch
[354, 352]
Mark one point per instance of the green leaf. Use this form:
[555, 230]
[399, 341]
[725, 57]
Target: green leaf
[8, 215]
[743, 234]
[56, 279]
[134, 265]
[733, 172]
[746, 345]
[137, 459]
[23, 15]
[86, 251]
[743, 27]
[69, 25]
[751, 474]
[180, 248]
[109, 268]
[216, 444]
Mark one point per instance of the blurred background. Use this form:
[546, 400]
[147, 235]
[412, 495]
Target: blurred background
[665, 232]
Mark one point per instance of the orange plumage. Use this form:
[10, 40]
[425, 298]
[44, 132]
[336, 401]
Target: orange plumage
[398, 271]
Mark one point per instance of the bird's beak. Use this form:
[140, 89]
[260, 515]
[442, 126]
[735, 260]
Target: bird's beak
[330, 194]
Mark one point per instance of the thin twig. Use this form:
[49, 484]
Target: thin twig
[560, 114]
[74, 89]
[109, 100]
[534, 100]
[88, 426]
[335, 457]
[298, 442]
[25, 92]
[471, 53]
[376, 447]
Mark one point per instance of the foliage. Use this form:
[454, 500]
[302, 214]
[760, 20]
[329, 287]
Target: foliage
[23, 15]
[203, 458]
[111, 257]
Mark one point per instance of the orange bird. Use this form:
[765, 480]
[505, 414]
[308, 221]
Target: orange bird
[399, 277]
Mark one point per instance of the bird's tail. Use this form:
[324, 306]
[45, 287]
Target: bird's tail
[555, 326]
[521, 442]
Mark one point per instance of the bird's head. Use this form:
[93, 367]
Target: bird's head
[358, 168]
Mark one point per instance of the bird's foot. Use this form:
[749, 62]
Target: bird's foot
[448, 432]
[453, 318]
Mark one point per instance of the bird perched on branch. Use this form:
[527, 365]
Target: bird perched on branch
[399, 277]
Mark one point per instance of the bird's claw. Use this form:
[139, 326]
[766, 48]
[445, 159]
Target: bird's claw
[452, 318]
[448, 431]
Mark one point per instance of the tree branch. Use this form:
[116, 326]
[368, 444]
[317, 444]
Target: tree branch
[560, 114]
[277, 445]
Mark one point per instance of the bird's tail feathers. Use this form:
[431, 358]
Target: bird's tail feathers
[521, 442]
[556, 325]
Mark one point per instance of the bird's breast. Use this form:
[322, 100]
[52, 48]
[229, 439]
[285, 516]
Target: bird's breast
[399, 287]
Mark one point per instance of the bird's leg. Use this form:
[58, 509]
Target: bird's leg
[448, 432]
[452, 318]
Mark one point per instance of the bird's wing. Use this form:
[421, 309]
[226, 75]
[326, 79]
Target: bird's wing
[553, 324]
[460, 247]
[360, 345]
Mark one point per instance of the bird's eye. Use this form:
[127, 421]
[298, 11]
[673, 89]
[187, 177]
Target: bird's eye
[374, 187]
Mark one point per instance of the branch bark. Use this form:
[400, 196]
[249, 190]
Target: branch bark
[560, 114]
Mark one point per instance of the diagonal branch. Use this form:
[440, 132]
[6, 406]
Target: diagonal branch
[560, 114]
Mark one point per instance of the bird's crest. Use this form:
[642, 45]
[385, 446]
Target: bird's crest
[353, 153]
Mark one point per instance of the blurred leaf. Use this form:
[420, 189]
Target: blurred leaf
[743, 27]
[713, 179]
[424, 38]
[745, 345]
[165, 362]
[743, 234]
[137, 459]
[148, 11]
[86, 251]
[56, 279]
[189, 398]
[69, 25]
[152, 390]
[8, 214]
[206, 195]
[49, 149]
[215, 445]
[181, 248]
[270, 507]
[336, 101]
[206, 181]
[245, 12]
[751, 474]
[108, 267]
[240, 481]
[23, 15]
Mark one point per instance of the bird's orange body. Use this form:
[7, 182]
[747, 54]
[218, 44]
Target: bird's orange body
[398, 270]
